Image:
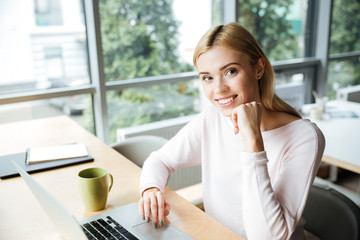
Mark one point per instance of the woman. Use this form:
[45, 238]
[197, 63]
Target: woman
[258, 157]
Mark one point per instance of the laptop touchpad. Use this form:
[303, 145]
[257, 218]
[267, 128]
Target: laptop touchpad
[147, 231]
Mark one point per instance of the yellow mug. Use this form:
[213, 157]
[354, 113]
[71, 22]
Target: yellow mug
[94, 185]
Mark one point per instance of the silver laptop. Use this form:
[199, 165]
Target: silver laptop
[121, 223]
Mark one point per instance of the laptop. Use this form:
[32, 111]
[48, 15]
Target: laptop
[120, 223]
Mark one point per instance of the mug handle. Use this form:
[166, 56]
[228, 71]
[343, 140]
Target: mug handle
[111, 181]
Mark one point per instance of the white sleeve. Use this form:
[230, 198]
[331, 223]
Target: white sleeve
[183, 150]
[273, 211]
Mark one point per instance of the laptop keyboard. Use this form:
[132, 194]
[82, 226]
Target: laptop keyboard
[106, 228]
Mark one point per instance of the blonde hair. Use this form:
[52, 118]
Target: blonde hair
[237, 37]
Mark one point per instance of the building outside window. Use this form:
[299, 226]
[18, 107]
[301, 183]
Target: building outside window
[48, 12]
[42, 47]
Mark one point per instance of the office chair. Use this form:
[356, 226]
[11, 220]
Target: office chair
[330, 215]
[138, 148]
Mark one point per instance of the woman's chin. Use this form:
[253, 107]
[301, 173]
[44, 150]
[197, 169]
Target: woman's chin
[225, 112]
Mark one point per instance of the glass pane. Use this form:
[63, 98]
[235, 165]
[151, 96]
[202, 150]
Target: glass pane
[345, 26]
[341, 75]
[290, 86]
[48, 12]
[140, 105]
[151, 38]
[42, 45]
[78, 107]
[278, 26]
[217, 14]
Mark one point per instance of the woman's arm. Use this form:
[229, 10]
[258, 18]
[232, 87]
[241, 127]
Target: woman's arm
[180, 151]
[273, 211]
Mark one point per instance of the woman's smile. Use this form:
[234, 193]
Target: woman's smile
[226, 101]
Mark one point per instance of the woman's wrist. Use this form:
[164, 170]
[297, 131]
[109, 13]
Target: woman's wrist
[151, 189]
[254, 144]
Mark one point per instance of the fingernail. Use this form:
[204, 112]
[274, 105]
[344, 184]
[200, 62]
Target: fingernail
[155, 225]
[147, 220]
[161, 223]
[143, 218]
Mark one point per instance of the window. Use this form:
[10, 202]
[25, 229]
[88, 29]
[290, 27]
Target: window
[343, 69]
[48, 12]
[78, 107]
[342, 73]
[43, 48]
[285, 31]
[280, 27]
[147, 49]
[142, 39]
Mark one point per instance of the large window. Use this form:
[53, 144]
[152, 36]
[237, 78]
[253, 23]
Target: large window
[285, 31]
[344, 65]
[43, 48]
[280, 27]
[146, 39]
[112, 64]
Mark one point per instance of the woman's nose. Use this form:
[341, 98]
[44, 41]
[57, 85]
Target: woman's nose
[221, 85]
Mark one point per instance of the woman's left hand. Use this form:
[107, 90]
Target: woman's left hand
[247, 119]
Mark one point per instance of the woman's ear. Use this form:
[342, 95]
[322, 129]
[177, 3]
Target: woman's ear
[260, 68]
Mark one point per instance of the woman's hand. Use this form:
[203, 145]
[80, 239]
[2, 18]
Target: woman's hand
[247, 119]
[152, 206]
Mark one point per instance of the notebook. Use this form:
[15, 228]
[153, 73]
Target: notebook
[8, 170]
[53, 153]
[123, 221]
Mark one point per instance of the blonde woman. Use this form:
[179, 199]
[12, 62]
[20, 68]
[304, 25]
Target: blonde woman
[258, 157]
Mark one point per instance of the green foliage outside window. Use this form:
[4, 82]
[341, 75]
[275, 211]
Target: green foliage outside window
[268, 22]
[140, 39]
[345, 37]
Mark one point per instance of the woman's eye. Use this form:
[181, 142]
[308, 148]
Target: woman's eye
[230, 72]
[206, 78]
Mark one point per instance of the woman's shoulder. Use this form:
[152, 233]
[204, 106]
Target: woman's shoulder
[300, 130]
[285, 122]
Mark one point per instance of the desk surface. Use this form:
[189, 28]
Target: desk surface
[342, 137]
[21, 217]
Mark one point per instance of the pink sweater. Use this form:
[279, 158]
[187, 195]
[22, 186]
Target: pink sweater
[257, 195]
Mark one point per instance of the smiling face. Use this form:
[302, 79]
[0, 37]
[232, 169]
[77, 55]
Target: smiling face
[228, 79]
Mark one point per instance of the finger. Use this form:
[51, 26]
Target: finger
[234, 120]
[147, 211]
[167, 208]
[160, 200]
[141, 208]
[154, 210]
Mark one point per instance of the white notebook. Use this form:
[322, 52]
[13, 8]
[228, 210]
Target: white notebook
[45, 154]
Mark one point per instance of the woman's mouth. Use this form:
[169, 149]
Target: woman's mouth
[224, 102]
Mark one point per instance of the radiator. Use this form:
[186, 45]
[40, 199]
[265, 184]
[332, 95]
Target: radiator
[180, 178]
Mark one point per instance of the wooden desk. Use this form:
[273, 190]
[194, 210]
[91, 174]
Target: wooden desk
[21, 217]
[342, 137]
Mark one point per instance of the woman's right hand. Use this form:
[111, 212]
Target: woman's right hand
[153, 206]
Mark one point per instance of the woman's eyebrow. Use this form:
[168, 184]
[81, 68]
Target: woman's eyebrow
[203, 73]
[229, 64]
[223, 67]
